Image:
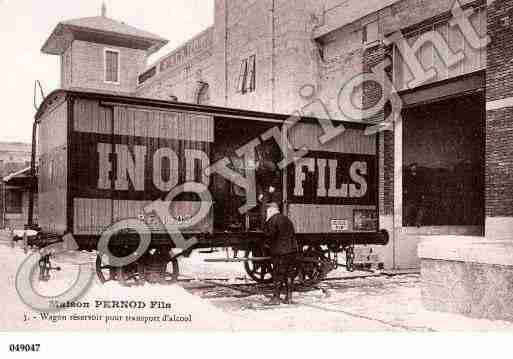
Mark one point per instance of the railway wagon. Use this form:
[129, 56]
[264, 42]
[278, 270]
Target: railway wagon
[106, 158]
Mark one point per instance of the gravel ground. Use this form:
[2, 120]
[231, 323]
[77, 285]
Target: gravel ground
[361, 304]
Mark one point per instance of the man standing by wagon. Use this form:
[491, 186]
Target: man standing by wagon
[280, 235]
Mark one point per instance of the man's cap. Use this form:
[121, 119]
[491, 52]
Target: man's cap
[272, 205]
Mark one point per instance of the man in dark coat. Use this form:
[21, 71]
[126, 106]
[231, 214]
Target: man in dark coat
[280, 236]
[269, 195]
[414, 194]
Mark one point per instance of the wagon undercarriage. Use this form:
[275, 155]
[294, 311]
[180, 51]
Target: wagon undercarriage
[160, 263]
[320, 254]
[159, 266]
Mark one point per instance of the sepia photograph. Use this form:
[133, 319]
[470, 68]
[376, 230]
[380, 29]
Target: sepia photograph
[231, 166]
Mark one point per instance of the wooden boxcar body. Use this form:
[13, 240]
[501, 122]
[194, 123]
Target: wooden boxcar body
[104, 158]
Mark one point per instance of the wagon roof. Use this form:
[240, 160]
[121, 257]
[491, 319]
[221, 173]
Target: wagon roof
[180, 106]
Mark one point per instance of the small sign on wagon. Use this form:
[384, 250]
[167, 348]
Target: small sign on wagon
[339, 225]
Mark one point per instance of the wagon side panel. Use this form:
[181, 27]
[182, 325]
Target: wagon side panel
[128, 157]
[334, 188]
[52, 167]
[90, 193]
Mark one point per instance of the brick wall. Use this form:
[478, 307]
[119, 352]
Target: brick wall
[499, 123]
[371, 95]
[87, 63]
[372, 91]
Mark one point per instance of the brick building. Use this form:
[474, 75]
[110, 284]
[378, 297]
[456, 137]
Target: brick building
[446, 181]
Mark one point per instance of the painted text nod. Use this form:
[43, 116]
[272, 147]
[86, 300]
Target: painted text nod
[128, 165]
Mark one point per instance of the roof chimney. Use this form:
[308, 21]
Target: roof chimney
[104, 9]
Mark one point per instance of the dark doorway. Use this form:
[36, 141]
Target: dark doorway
[230, 135]
[443, 163]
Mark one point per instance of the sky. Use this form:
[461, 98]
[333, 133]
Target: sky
[26, 24]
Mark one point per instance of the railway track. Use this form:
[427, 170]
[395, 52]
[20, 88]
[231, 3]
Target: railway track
[220, 286]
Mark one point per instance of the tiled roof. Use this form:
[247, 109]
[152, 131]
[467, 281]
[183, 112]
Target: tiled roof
[100, 28]
[101, 23]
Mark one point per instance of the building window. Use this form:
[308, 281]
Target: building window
[443, 161]
[111, 66]
[370, 33]
[247, 75]
[252, 73]
[13, 201]
[147, 75]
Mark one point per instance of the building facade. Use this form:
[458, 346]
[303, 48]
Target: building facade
[261, 55]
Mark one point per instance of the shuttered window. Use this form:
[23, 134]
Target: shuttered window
[247, 75]
[241, 83]
[111, 66]
[251, 85]
[370, 33]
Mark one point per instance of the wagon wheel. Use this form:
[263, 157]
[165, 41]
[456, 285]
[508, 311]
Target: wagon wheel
[170, 273]
[172, 276]
[312, 266]
[259, 271]
[104, 271]
[127, 275]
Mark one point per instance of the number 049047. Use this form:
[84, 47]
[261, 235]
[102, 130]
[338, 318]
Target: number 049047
[24, 347]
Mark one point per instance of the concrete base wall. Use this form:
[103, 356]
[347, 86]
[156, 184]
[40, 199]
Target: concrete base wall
[499, 228]
[472, 276]
[472, 289]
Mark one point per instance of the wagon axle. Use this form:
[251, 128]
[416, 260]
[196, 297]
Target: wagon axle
[155, 267]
